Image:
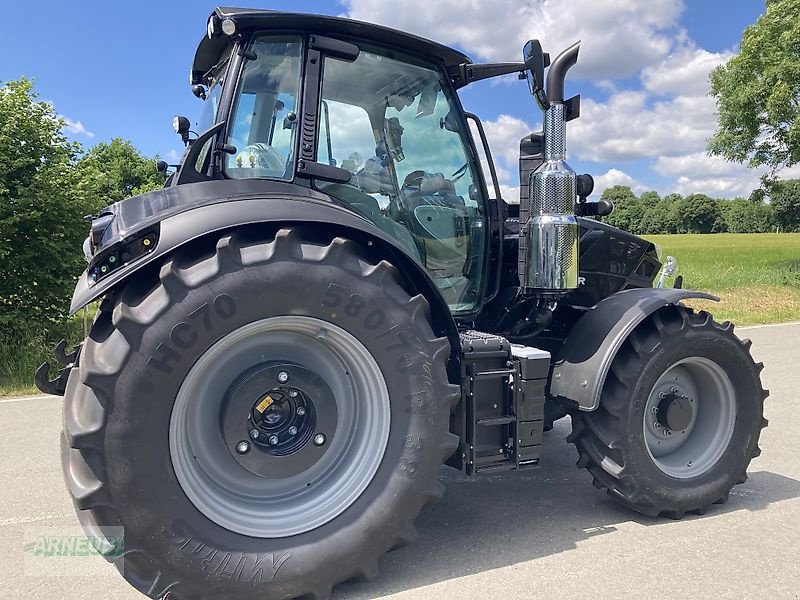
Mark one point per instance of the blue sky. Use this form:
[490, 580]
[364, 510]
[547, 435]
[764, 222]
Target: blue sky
[121, 69]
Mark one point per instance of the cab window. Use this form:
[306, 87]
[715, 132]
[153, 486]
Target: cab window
[264, 119]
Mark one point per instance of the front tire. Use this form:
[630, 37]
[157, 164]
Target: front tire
[679, 419]
[292, 337]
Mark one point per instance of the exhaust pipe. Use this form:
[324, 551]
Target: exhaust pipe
[552, 227]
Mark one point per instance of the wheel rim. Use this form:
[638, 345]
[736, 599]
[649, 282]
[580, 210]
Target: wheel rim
[689, 417]
[342, 385]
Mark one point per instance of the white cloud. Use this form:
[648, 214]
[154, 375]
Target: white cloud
[510, 194]
[626, 128]
[619, 37]
[503, 135]
[173, 156]
[616, 177]
[700, 173]
[684, 73]
[76, 127]
[697, 164]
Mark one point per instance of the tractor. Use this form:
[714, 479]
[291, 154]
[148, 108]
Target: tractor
[329, 300]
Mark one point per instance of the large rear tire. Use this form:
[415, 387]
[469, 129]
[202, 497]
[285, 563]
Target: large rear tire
[679, 418]
[293, 337]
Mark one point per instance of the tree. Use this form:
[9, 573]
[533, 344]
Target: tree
[745, 216]
[650, 198]
[41, 225]
[628, 210]
[618, 193]
[660, 218]
[757, 92]
[699, 213]
[785, 199]
[110, 172]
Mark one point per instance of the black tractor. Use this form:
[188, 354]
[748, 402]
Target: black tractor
[328, 301]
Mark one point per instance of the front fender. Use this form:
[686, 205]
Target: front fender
[582, 364]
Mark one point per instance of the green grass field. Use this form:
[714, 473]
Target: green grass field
[757, 275]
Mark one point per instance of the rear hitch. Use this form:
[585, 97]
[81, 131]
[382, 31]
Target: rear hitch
[57, 386]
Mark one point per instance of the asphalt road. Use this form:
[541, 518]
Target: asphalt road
[545, 533]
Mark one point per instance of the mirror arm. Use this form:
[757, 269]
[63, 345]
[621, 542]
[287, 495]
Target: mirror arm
[467, 73]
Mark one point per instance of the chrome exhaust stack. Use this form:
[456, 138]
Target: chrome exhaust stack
[549, 225]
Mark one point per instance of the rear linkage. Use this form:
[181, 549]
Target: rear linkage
[57, 386]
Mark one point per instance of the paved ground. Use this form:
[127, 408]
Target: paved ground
[545, 533]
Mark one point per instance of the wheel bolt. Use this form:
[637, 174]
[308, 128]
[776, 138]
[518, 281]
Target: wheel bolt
[293, 393]
[254, 434]
[283, 377]
[273, 440]
[292, 430]
[661, 395]
[301, 410]
[319, 439]
[675, 390]
[243, 447]
[656, 424]
[654, 409]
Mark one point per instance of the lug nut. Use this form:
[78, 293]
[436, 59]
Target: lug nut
[319, 439]
[675, 390]
[243, 447]
[301, 410]
[254, 434]
[293, 393]
[656, 424]
[283, 377]
[273, 440]
[661, 395]
[292, 430]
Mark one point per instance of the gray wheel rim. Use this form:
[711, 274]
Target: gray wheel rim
[695, 448]
[244, 502]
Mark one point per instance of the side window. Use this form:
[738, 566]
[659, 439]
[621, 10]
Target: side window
[264, 121]
[390, 120]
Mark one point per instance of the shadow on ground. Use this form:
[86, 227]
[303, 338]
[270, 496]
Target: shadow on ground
[496, 521]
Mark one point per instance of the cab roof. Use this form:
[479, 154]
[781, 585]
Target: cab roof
[209, 50]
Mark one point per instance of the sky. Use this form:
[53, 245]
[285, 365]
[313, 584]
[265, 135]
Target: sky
[120, 69]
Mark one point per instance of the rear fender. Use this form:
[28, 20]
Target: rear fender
[582, 364]
[179, 229]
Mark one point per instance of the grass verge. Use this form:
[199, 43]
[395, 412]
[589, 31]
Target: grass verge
[756, 275]
[19, 359]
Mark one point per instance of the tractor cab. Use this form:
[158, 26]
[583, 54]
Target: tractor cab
[369, 117]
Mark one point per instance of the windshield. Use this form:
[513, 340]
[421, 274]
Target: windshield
[391, 121]
[264, 119]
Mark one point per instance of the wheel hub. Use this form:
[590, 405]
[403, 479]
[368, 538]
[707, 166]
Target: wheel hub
[675, 412]
[280, 420]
